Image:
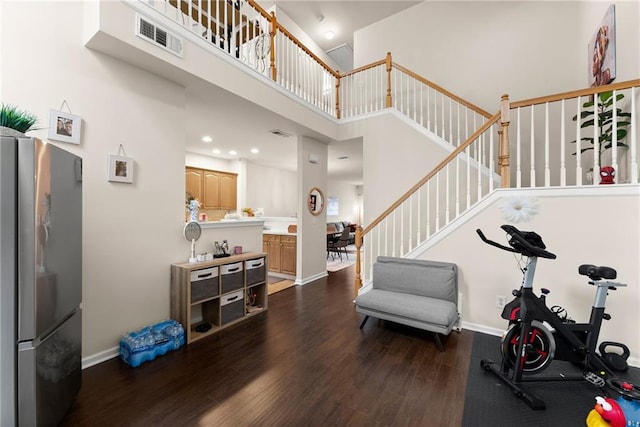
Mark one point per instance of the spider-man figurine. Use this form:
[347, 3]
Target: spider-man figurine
[607, 175]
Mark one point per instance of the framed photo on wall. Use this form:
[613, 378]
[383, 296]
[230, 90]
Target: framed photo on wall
[65, 127]
[602, 51]
[120, 169]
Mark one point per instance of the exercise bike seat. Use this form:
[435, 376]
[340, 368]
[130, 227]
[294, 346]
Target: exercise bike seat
[597, 273]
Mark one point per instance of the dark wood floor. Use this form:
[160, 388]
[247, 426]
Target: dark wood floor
[304, 362]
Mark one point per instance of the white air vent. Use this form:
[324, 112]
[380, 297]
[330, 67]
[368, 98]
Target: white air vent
[157, 35]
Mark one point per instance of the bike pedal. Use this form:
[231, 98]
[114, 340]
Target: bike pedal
[594, 379]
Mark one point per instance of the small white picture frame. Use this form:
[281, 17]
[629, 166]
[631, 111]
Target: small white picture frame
[120, 169]
[65, 127]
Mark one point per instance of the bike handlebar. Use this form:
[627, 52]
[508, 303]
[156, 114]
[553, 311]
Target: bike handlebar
[526, 243]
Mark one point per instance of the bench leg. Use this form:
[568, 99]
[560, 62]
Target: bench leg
[364, 321]
[438, 342]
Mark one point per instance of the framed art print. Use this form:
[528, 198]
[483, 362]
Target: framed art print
[120, 169]
[65, 127]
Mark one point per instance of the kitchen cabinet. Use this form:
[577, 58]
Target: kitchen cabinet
[193, 182]
[208, 296]
[288, 254]
[214, 189]
[281, 252]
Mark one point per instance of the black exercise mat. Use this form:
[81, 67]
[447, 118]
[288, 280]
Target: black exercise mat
[490, 402]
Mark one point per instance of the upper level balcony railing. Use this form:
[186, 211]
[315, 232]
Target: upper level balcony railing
[247, 32]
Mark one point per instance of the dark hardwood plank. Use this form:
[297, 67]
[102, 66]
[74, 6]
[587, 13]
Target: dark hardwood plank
[303, 362]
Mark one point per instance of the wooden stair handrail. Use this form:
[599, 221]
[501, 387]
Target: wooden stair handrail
[363, 68]
[443, 90]
[575, 93]
[492, 120]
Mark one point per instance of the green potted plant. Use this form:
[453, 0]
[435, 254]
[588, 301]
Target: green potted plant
[20, 121]
[605, 117]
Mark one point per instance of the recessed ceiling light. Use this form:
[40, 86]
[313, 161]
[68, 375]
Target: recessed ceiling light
[207, 138]
[216, 151]
[255, 150]
[233, 152]
[329, 35]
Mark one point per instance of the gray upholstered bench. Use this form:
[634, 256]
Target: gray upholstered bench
[418, 293]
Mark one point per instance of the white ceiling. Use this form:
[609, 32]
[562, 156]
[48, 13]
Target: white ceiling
[343, 18]
[236, 124]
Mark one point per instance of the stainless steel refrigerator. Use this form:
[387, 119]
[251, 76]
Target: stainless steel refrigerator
[40, 281]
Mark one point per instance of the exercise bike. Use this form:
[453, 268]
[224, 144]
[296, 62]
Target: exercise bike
[537, 335]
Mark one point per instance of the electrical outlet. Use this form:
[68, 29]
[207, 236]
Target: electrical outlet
[501, 301]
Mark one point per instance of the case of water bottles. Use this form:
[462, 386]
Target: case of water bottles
[150, 342]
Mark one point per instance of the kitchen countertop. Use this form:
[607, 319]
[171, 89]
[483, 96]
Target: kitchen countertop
[228, 223]
[279, 232]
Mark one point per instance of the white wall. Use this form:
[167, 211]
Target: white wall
[299, 33]
[132, 233]
[397, 153]
[212, 163]
[575, 225]
[481, 50]
[311, 250]
[272, 189]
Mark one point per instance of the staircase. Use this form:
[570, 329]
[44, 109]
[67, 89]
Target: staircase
[540, 143]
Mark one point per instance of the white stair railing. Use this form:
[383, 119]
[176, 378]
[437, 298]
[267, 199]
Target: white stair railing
[457, 184]
[565, 139]
[435, 108]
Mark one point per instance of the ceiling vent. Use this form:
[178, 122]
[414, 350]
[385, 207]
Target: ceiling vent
[157, 35]
[278, 132]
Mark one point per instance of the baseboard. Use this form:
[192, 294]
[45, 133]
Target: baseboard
[100, 357]
[482, 328]
[110, 353]
[310, 279]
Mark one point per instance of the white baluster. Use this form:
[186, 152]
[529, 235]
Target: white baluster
[578, 145]
[437, 202]
[491, 162]
[458, 185]
[532, 148]
[479, 144]
[458, 121]
[468, 189]
[428, 208]
[446, 194]
[419, 217]
[563, 167]
[435, 112]
[518, 151]
[596, 139]
[393, 233]
[451, 121]
[415, 108]
[634, 138]
[428, 108]
[442, 128]
[402, 229]
[614, 133]
[421, 106]
[547, 170]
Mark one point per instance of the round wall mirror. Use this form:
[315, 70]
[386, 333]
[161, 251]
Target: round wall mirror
[316, 201]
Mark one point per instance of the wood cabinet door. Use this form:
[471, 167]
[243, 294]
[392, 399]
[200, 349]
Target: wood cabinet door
[193, 182]
[211, 184]
[288, 253]
[271, 245]
[228, 191]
